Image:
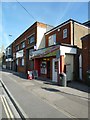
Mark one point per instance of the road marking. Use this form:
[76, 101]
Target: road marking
[6, 111]
[17, 104]
[9, 110]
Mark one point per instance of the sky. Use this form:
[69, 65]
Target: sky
[15, 20]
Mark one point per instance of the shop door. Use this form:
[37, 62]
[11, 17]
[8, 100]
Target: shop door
[55, 70]
[69, 67]
[48, 69]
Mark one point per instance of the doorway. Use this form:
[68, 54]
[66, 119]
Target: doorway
[48, 69]
[55, 70]
[69, 67]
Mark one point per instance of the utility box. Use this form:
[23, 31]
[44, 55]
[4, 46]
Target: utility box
[63, 81]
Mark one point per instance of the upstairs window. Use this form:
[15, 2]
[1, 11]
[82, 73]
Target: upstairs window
[9, 51]
[31, 39]
[22, 44]
[64, 33]
[52, 40]
[17, 47]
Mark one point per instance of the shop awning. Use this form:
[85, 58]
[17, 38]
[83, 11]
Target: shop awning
[46, 52]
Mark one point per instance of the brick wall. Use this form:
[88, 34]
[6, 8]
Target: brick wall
[59, 34]
[86, 55]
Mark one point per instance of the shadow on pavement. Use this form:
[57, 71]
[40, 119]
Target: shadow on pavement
[50, 89]
[72, 84]
[79, 86]
[55, 90]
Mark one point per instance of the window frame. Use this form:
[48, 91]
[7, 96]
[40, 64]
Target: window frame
[52, 40]
[22, 62]
[23, 44]
[17, 47]
[30, 39]
[65, 33]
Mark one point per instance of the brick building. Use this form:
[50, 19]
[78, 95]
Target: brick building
[32, 39]
[9, 56]
[85, 56]
[50, 50]
[63, 41]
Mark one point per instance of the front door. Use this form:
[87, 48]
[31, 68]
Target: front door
[55, 70]
[48, 69]
[69, 67]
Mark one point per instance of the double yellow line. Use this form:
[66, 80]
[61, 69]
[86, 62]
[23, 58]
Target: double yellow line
[7, 109]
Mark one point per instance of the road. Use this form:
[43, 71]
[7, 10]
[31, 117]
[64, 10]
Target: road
[39, 101]
[32, 105]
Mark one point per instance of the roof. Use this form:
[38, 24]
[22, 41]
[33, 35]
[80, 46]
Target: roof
[49, 51]
[29, 28]
[45, 52]
[87, 23]
[63, 24]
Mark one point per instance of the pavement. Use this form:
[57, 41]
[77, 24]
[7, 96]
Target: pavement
[47, 99]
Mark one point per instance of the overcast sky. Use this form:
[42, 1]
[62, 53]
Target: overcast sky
[15, 20]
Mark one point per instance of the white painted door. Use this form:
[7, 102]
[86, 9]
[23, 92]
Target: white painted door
[55, 70]
[69, 67]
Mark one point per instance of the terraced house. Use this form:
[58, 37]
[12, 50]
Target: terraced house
[50, 50]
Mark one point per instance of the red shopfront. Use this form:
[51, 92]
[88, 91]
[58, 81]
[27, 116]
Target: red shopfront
[51, 61]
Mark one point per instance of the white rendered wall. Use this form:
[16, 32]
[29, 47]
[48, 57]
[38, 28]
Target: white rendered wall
[40, 37]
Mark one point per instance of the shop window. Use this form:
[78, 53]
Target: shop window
[31, 65]
[52, 40]
[21, 61]
[30, 53]
[64, 33]
[43, 67]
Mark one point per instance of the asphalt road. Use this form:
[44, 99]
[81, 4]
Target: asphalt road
[32, 105]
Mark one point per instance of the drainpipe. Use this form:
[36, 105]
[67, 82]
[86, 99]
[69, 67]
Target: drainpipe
[73, 32]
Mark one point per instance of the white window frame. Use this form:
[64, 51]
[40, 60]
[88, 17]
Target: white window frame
[16, 61]
[52, 40]
[30, 40]
[22, 62]
[65, 33]
[23, 44]
[9, 51]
